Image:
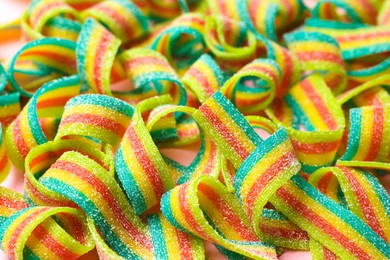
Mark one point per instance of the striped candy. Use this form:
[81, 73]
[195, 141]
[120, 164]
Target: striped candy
[327, 222]
[121, 17]
[140, 167]
[43, 156]
[89, 185]
[317, 111]
[205, 208]
[275, 228]
[228, 128]
[319, 52]
[62, 28]
[271, 17]
[4, 161]
[32, 233]
[364, 195]
[40, 12]
[9, 102]
[10, 202]
[362, 11]
[358, 42]
[162, 10]
[26, 132]
[299, 201]
[230, 42]
[52, 58]
[95, 51]
[167, 131]
[288, 64]
[267, 168]
[95, 116]
[171, 243]
[252, 88]
[204, 77]
[368, 144]
[182, 42]
[148, 70]
[207, 160]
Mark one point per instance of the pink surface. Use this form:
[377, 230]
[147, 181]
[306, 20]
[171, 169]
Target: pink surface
[12, 9]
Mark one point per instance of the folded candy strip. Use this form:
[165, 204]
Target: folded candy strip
[4, 161]
[31, 232]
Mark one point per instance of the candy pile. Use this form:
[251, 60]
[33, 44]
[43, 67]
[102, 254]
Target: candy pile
[290, 107]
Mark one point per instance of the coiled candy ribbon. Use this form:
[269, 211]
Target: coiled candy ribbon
[213, 74]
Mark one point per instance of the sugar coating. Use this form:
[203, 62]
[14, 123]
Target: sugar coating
[211, 72]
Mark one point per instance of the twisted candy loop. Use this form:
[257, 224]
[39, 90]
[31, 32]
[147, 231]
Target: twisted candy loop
[41, 157]
[182, 42]
[270, 225]
[231, 42]
[167, 131]
[318, 111]
[122, 18]
[370, 118]
[186, 130]
[358, 42]
[321, 53]
[32, 233]
[318, 215]
[4, 161]
[205, 208]
[162, 125]
[266, 76]
[140, 166]
[228, 128]
[62, 19]
[149, 70]
[207, 160]
[163, 10]
[363, 193]
[96, 50]
[204, 77]
[46, 59]
[368, 142]
[364, 196]
[289, 66]
[171, 243]
[26, 132]
[228, 49]
[362, 11]
[103, 118]
[271, 17]
[267, 168]
[41, 12]
[87, 184]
